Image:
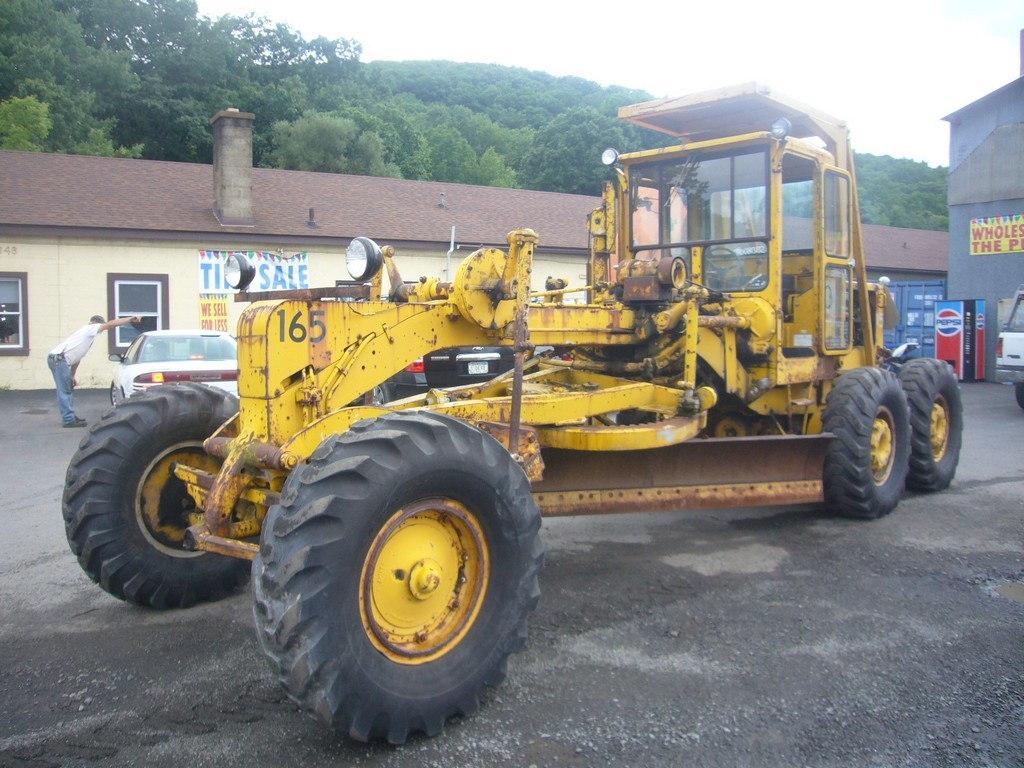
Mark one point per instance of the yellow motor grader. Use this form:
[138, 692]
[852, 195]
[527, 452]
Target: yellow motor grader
[724, 352]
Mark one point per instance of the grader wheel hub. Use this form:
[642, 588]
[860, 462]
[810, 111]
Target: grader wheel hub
[940, 429]
[423, 580]
[882, 446]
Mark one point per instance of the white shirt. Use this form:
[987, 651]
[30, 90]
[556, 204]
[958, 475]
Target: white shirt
[78, 343]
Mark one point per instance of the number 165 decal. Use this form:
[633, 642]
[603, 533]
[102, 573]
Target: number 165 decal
[298, 329]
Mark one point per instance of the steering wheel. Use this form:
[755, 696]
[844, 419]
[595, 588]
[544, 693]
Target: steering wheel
[723, 256]
[724, 261]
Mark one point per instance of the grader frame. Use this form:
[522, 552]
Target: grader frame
[722, 353]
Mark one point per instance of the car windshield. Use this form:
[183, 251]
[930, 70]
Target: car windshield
[153, 349]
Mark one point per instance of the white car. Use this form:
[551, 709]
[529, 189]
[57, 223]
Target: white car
[163, 357]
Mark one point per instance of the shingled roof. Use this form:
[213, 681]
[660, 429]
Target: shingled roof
[116, 197]
[907, 250]
[126, 197]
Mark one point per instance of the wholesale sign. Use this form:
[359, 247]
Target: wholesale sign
[997, 234]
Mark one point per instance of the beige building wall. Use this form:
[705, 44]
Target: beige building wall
[67, 281]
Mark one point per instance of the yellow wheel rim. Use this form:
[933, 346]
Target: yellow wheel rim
[423, 581]
[731, 426]
[940, 429]
[882, 453]
[163, 506]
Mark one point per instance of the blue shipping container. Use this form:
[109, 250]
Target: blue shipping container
[916, 304]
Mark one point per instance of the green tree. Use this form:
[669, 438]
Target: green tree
[566, 154]
[492, 171]
[100, 144]
[404, 145]
[902, 193]
[189, 68]
[44, 53]
[329, 144]
[284, 100]
[451, 156]
[24, 124]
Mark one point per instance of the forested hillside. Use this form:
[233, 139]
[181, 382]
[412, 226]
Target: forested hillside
[141, 78]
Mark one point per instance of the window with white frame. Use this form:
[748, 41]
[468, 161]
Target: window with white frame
[142, 295]
[13, 313]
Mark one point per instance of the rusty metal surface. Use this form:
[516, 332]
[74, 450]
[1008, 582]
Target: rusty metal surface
[349, 291]
[723, 321]
[642, 288]
[624, 437]
[201, 539]
[526, 449]
[698, 474]
[744, 108]
[678, 498]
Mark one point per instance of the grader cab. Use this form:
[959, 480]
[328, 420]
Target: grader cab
[722, 353]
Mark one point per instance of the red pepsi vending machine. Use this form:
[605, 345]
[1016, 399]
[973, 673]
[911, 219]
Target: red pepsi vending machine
[960, 337]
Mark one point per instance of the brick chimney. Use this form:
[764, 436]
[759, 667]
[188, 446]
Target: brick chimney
[232, 168]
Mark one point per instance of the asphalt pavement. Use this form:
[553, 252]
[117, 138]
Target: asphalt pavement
[748, 637]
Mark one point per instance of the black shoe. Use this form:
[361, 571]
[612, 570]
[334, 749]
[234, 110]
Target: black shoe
[76, 423]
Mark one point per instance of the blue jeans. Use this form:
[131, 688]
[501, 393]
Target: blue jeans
[65, 392]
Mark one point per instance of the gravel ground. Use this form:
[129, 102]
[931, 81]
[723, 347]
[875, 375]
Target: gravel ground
[752, 637]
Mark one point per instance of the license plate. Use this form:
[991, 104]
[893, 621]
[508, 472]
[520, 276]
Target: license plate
[477, 368]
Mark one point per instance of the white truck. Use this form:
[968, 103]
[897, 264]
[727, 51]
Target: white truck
[1010, 349]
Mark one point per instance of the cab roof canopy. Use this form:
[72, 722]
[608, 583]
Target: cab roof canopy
[736, 110]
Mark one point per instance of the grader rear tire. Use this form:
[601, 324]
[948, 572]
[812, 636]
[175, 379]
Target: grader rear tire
[1018, 391]
[936, 423]
[397, 574]
[125, 514]
[866, 466]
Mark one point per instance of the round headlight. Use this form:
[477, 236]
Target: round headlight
[609, 156]
[363, 258]
[781, 128]
[239, 271]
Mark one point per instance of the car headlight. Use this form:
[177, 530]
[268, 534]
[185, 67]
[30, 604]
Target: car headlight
[363, 259]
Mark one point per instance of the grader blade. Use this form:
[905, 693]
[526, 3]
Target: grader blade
[697, 474]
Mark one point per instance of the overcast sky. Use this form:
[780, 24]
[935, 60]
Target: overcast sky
[891, 68]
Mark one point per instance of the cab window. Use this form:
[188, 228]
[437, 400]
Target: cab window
[837, 215]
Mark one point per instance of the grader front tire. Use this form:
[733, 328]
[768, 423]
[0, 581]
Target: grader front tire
[866, 465]
[125, 514]
[397, 574]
